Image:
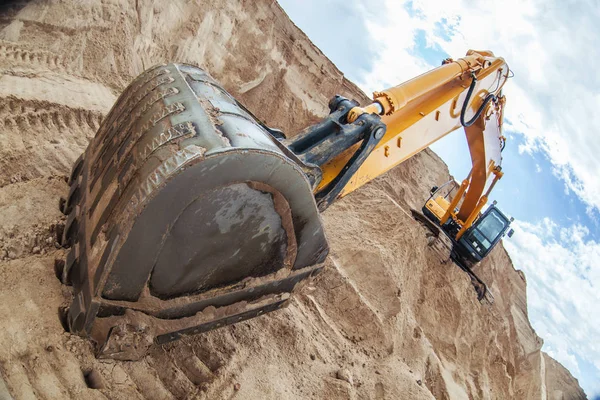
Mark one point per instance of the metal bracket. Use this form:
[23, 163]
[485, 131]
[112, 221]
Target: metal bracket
[330, 193]
[318, 144]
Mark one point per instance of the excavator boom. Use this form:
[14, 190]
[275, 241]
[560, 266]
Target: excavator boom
[186, 213]
[427, 108]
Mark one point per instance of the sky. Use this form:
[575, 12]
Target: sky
[551, 163]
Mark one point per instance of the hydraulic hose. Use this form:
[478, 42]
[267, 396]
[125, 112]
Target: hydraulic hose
[488, 98]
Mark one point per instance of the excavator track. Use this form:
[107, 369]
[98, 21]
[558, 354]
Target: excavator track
[184, 214]
[484, 294]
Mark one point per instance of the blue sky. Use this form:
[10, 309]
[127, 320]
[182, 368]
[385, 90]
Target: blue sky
[551, 160]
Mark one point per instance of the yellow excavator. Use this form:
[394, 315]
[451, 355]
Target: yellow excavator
[186, 213]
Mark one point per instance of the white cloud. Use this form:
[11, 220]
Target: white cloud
[552, 46]
[563, 291]
[394, 31]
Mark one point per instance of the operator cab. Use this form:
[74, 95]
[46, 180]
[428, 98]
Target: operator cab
[480, 238]
[476, 242]
[485, 233]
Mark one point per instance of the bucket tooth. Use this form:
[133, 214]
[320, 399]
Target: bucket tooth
[73, 197]
[71, 265]
[70, 231]
[61, 205]
[76, 170]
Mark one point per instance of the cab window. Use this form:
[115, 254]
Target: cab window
[492, 225]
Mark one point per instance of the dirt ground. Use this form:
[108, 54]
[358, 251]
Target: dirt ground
[387, 319]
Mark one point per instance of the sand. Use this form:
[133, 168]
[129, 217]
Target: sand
[387, 319]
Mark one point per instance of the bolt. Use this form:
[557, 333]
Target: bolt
[379, 132]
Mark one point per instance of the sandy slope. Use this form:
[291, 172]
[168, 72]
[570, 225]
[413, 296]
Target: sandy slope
[387, 316]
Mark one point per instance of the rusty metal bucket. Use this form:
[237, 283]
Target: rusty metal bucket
[184, 214]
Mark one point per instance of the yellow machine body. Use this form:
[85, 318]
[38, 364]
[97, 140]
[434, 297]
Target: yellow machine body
[427, 108]
[438, 206]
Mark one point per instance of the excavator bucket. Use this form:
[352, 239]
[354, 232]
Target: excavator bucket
[185, 214]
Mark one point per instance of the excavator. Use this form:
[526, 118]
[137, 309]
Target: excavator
[186, 213]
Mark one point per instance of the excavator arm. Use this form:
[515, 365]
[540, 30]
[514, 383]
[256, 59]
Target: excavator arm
[427, 108]
[186, 213]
